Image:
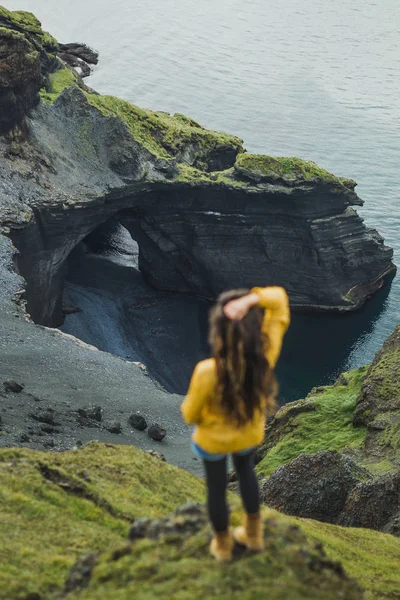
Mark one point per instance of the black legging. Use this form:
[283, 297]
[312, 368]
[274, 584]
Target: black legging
[216, 477]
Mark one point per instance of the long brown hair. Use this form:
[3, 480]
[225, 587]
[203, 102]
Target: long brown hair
[245, 378]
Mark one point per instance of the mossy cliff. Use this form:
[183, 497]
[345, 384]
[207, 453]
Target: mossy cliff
[192, 198]
[359, 415]
[57, 508]
[335, 456]
[27, 55]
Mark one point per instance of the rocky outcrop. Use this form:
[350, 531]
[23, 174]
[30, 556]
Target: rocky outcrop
[313, 486]
[79, 56]
[331, 487]
[206, 215]
[26, 57]
[374, 504]
[359, 417]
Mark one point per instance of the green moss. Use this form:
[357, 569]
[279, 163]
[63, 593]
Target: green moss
[286, 169]
[45, 525]
[384, 374]
[370, 557]
[185, 571]
[329, 427]
[164, 135]
[29, 24]
[56, 507]
[57, 83]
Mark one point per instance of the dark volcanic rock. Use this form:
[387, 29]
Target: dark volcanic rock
[137, 422]
[79, 56]
[13, 386]
[93, 412]
[20, 78]
[81, 51]
[113, 426]
[374, 505]
[156, 432]
[45, 415]
[313, 485]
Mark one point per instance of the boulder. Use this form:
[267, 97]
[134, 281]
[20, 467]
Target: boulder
[113, 426]
[156, 432]
[137, 421]
[13, 386]
[44, 415]
[374, 505]
[92, 411]
[314, 486]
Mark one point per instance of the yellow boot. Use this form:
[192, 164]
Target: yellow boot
[222, 545]
[251, 533]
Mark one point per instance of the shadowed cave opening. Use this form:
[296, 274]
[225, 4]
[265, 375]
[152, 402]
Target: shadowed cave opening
[118, 312]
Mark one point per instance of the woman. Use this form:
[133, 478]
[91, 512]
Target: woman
[229, 399]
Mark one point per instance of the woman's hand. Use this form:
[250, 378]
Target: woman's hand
[238, 308]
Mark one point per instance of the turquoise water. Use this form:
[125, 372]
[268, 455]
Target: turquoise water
[308, 78]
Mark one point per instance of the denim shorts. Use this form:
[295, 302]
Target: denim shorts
[200, 453]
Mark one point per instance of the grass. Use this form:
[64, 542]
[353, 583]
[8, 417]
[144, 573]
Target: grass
[164, 135]
[370, 557]
[27, 23]
[46, 526]
[57, 507]
[329, 427]
[57, 82]
[286, 169]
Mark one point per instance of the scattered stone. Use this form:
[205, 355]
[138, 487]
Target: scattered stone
[50, 443]
[49, 429]
[190, 508]
[23, 438]
[93, 412]
[139, 528]
[137, 421]
[44, 415]
[186, 521]
[13, 386]
[80, 573]
[156, 432]
[157, 455]
[114, 426]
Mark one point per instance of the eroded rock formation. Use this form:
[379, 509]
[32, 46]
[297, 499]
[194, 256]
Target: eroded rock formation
[207, 216]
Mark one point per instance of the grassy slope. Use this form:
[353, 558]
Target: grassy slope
[46, 526]
[329, 427]
[57, 507]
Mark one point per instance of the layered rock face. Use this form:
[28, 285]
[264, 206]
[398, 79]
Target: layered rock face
[207, 216]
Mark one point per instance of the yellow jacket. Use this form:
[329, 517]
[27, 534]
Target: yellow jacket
[215, 432]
